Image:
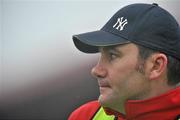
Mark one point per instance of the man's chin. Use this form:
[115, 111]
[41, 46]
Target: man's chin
[103, 101]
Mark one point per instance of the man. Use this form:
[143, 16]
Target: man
[139, 68]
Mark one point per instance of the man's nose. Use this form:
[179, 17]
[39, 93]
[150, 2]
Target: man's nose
[98, 71]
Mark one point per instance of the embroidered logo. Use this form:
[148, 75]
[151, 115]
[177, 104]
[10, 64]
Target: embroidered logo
[119, 25]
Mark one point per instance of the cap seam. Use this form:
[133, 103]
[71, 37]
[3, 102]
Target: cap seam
[142, 14]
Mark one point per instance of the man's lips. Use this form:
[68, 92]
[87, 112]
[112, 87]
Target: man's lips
[103, 83]
[103, 86]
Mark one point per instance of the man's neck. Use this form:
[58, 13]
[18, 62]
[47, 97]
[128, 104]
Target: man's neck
[158, 89]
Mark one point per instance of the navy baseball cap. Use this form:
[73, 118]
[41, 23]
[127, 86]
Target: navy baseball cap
[147, 25]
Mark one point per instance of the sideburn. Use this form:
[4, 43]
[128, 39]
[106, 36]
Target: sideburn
[140, 65]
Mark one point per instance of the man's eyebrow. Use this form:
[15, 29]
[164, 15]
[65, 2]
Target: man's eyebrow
[110, 48]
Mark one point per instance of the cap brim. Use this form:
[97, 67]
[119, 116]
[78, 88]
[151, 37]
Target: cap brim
[91, 41]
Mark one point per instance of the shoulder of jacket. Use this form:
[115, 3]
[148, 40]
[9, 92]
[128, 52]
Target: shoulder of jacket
[85, 111]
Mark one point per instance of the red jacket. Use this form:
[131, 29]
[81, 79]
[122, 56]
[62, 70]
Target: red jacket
[163, 107]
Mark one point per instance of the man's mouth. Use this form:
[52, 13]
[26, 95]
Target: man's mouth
[103, 83]
[103, 86]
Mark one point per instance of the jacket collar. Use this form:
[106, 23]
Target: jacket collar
[135, 108]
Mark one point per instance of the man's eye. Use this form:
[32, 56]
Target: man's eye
[112, 56]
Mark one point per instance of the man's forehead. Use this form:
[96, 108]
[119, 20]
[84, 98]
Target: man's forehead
[114, 47]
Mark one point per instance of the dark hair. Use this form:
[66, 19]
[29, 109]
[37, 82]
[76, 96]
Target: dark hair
[173, 65]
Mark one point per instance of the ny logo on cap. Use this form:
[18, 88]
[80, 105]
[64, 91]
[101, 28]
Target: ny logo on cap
[119, 25]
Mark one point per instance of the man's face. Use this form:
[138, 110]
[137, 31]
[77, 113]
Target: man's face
[120, 77]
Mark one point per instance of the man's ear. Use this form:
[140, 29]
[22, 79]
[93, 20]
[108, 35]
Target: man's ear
[157, 65]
